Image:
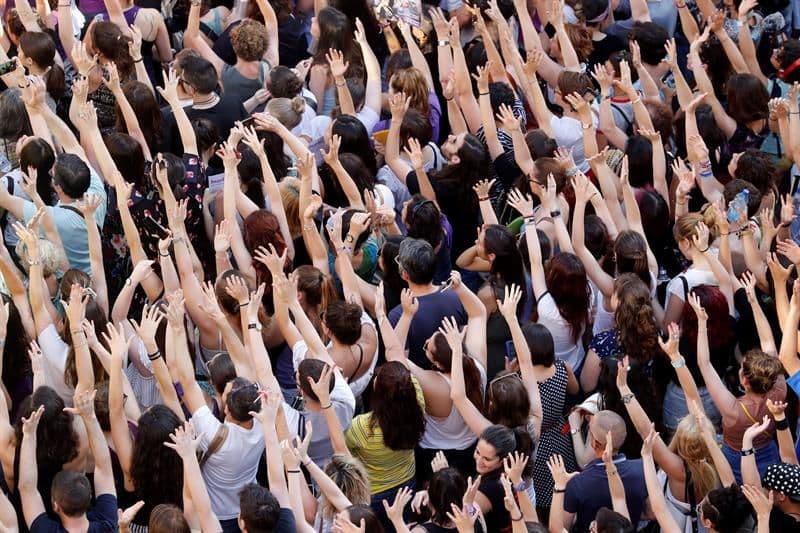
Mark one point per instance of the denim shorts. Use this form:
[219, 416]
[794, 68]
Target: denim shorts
[675, 407]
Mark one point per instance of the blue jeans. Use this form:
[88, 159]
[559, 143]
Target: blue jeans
[675, 407]
[765, 456]
[377, 503]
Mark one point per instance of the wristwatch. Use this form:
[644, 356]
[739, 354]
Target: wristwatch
[255, 325]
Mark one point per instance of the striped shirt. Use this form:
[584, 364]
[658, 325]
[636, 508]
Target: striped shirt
[385, 467]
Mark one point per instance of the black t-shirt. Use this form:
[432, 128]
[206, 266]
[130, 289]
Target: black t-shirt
[780, 521]
[227, 111]
[102, 518]
[602, 49]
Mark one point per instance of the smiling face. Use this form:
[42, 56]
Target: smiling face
[486, 458]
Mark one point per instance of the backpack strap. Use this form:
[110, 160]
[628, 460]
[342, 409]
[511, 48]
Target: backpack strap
[628, 123]
[77, 212]
[215, 444]
[685, 283]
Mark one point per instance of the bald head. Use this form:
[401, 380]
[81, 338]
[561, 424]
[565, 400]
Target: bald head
[605, 421]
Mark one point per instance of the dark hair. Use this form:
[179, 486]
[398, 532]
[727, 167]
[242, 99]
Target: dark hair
[157, 471]
[788, 53]
[447, 487]
[176, 175]
[354, 139]
[506, 441]
[391, 272]
[221, 371]
[95, 315]
[598, 242]
[16, 363]
[747, 98]
[145, 106]
[251, 176]
[71, 173]
[318, 291]
[335, 31]
[41, 48]
[129, 159]
[242, 398]
[567, 284]
[396, 409]
[459, 179]
[72, 492]
[39, 154]
[310, 368]
[398, 60]
[651, 39]
[507, 400]
[359, 173]
[206, 133]
[758, 168]
[417, 126]
[282, 82]
[726, 508]
[357, 513]
[258, 509]
[592, 9]
[640, 160]
[544, 244]
[361, 9]
[442, 356]
[109, 40]
[199, 73]
[14, 122]
[540, 343]
[719, 329]
[507, 264]
[344, 321]
[101, 405]
[501, 93]
[423, 220]
[418, 260]
[735, 186]
[608, 521]
[630, 255]
[540, 144]
[57, 441]
[634, 318]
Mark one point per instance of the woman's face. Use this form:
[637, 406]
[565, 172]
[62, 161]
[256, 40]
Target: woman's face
[486, 458]
[774, 58]
[452, 145]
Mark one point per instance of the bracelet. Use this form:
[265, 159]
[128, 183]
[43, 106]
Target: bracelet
[345, 249]
[293, 471]
[326, 406]
[483, 94]
[678, 363]
[681, 203]
[76, 331]
[163, 255]
[155, 355]
[34, 263]
[612, 472]
[558, 491]
[138, 60]
[782, 424]
[638, 99]
[244, 304]
[680, 6]
[571, 172]
[530, 222]
[586, 126]
[555, 213]
[307, 463]
[444, 42]
[626, 398]
[482, 198]
[309, 227]
[450, 99]
[749, 451]
[704, 251]
[521, 516]
[341, 84]
[724, 234]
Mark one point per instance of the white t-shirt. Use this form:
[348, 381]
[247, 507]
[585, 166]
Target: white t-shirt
[320, 123]
[569, 134]
[694, 277]
[233, 465]
[567, 348]
[54, 352]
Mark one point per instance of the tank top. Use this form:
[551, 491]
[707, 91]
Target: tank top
[234, 83]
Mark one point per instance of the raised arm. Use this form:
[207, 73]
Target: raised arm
[271, 401]
[36, 286]
[32, 504]
[170, 93]
[75, 310]
[128, 114]
[655, 492]
[193, 39]
[731, 50]
[788, 353]
[103, 478]
[466, 99]
[584, 190]
[469, 411]
[349, 187]
[120, 433]
[487, 116]
[372, 91]
[524, 205]
[615, 487]
[322, 388]
[176, 338]
[398, 104]
[723, 120]
[766, 339]
[88, 207]
[785, 441]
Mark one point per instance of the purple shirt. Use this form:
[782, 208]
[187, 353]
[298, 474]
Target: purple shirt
[435, 117]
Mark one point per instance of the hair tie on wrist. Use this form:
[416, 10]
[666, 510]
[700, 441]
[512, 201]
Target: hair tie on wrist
[155, 355]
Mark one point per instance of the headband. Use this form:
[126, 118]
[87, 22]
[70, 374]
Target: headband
[602, 16]
[784, 72]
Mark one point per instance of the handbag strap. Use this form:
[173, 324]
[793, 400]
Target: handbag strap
[215, 444]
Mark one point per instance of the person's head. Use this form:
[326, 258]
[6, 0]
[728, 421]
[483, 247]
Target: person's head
[106, 39]
[71, 494]
[595, 12]
[315, 290]
[156, 470]
[342, 322]
[358, 513]
[354, 139]
[759, 372]
[447, 487]
[568, 285]
[198, 76]
[37, 49]
[464, 150]
[332, 29]
[423, 220]
[261, 228]
[786, 59]
[543, 167]
[651, 39]
[634, 317]
[684, 230]
[37, 153]
[388, 263]
[723, 510]
[440, 355]
[167, 518]
[71, 176]
[655, 217]
[630, 253]
[288, 111]
[640, 160]
[16, 363]
[415, 126]
[608, 521]
[129, 158]
[498, 442]
[573, 82]
[500, 94]
[720, 333]
[747, 98]
[602, 423]
[540, 144]
[221, 371]
[145, 105]
[581, 39]
[416, 261]
[540, 343]
[349, 475]
[310, 368]
[282, 82]
[398, 60]
[259, 510]
[735, 186]
[507, 400]
[662, 117]
[687, 442]
[207, 135]
[14, 25]
[14, 121]
[497, 244]
[783, 480]
[411, 82]
[758, 168]
[57, 442]
[240, 397]
[289, 188]
[249, 40]
[395, 408]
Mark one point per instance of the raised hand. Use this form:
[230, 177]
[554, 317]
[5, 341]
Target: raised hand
[89, 205]
[142, 269]
[30, 424]
[222, 237]
[604, 78]
[395, 511]
[125, 518]
[694, 301]
[439, 462]
[332, 155]
[483, 187]
[76, 307]
[461, 517]
[779, 273]
[175, 310]
[755, 430]
[170, 90]
[748, 281]
[237, 288]
[414, 153]
[622, 372]
[337, 63]
[113, 82]
[508, 121]
[555, 463]
[451, 332]
[649, 441]
[322, 386]
[116, 341]
[151, 319]
[762, 504]
[511, 298]
[522, 203]
[398, 105]
[285, 289]
[135, 43]
[482, 77]
[269, 258]
[776, 408]
[408, 302]
[271, 401]
[83, 404]
[514, 465]
[671, 346]
[184, 441]
[700, 237]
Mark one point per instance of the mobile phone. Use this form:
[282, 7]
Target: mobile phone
[154, 228]
[511, 353]
[7, 67]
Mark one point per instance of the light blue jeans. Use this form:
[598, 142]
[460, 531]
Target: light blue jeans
[675, 407]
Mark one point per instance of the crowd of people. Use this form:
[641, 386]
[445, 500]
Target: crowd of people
[300, 266]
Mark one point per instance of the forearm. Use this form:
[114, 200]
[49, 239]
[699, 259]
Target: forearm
[655, 493]
[349, 187]
[315, 246]
[335, 430]
[401, 329]
[569, 57]
[487, 211]
[688, 23]
[766, 339]
[97, 265]
[345, 98]
[457, 123]
[83, 359]
[718, 459]
[328, 487]
[131, 121]
[165, 386]
[425, 186]
[193, 478]
[732, 51]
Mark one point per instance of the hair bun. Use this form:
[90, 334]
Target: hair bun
[298, 104]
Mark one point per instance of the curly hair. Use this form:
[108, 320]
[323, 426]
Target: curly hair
[156, 470]
[761, 371]
[634, 318]
[396, 410]
[249, 40]
[726, 508]
[57, 441]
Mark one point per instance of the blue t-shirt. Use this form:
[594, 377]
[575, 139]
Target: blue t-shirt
[588, 492]
[102, 518]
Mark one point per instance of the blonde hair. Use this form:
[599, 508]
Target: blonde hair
[290, 198]
[411, 82]
[288, 111]
[53, 258]
[686, 226]
[350, 476]
[688, 444]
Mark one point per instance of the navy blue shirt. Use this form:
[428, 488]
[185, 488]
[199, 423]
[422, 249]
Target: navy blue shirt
[588, 492]
[102, 518]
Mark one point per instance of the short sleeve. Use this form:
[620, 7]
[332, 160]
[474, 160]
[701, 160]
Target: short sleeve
[571, 499]
[104, 510]
[368, 117]
[205, 424]
[286, 523]
[299, 351]
[44, 524]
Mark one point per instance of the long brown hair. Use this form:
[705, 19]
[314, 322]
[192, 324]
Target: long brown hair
[634, 318]
[566, 281]
[396, 409]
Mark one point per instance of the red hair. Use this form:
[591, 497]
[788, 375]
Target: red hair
[261, 228]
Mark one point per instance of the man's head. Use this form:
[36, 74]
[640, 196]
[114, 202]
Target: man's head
[258, 510]
[417, 261]
[240, 397]
[71, 494]
[198, 76]
[71, 176]
[784, 480]
[311, 368]
[651, 39]
[602, 423]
